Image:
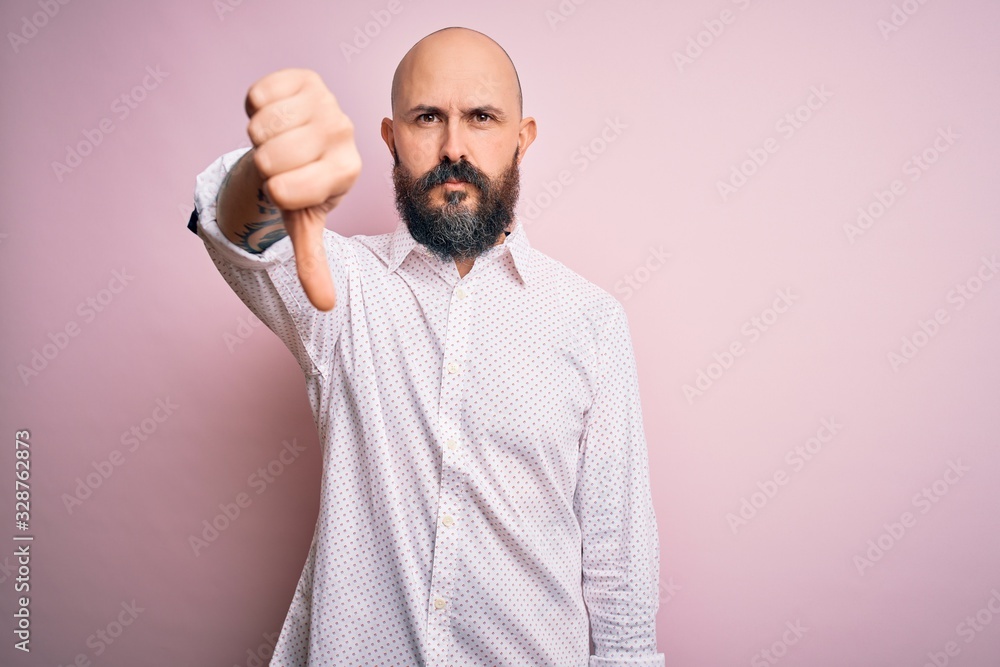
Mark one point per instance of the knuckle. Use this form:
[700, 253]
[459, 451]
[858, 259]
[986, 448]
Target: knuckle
[271, 126]
[340, 130]
[279, 192]
[253, 131]
[255, 96]
[354, 164]
[327, 109]
[284, 113]
[262, 161]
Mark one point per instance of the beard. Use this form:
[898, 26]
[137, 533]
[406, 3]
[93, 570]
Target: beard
[457, 230]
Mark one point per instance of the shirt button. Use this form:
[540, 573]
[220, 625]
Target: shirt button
[461, 293]
[439, 603]
[452, 367]
[451, 443]
[447, 520]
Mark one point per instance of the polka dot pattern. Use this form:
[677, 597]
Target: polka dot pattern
[485, 491]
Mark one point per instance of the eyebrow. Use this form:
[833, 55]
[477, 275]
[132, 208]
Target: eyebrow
[421, 109]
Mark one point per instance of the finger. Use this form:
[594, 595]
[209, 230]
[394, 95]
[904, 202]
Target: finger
[288, 151]
[279, 117]
[277, 86]
[306, 232]
[310, 184]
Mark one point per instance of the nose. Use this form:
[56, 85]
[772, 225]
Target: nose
[453, 146]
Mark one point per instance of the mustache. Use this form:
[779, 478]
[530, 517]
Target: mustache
[460, 171]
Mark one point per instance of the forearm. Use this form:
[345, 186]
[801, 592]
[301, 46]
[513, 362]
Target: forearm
[614, 506]
[245, 214]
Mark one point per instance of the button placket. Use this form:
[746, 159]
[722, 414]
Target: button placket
[450, 497]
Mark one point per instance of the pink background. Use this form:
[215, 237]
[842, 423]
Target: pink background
[176, 333]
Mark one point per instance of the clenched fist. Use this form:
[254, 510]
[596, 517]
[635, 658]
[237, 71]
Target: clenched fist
[304, 150]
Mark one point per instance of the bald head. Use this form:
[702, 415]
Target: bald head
[457, 62]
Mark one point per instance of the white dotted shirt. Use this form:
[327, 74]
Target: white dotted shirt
[485, 490]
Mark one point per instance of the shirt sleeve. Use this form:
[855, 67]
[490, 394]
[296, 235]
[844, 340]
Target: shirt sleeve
[621, 559]
[268, 282]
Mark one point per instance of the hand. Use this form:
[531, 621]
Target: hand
[304, 150]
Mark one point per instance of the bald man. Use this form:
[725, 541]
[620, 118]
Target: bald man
[485, 496]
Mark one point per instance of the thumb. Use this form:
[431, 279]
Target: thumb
[305, 228]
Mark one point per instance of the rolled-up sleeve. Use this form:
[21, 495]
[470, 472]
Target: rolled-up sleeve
[268, 282]
[621, 554]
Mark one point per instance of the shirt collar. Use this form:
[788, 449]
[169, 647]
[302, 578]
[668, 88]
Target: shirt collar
[516, 243]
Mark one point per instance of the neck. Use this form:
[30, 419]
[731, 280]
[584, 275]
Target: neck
[465, 265]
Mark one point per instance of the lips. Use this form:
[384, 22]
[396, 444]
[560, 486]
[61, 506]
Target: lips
[453, 185]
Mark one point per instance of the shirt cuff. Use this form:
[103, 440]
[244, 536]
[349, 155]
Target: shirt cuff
[203, 221]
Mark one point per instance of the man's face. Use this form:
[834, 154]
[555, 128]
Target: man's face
[456, 137]
[455, 209]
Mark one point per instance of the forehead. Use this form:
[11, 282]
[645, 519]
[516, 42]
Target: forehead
[461, 73]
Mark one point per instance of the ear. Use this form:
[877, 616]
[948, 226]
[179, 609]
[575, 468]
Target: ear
[387, 136]
[525, 135]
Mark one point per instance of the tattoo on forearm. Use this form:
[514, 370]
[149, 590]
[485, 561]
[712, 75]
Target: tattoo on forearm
[266, 232]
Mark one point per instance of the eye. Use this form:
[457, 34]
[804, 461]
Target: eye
[426, 117]
[483, 117]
